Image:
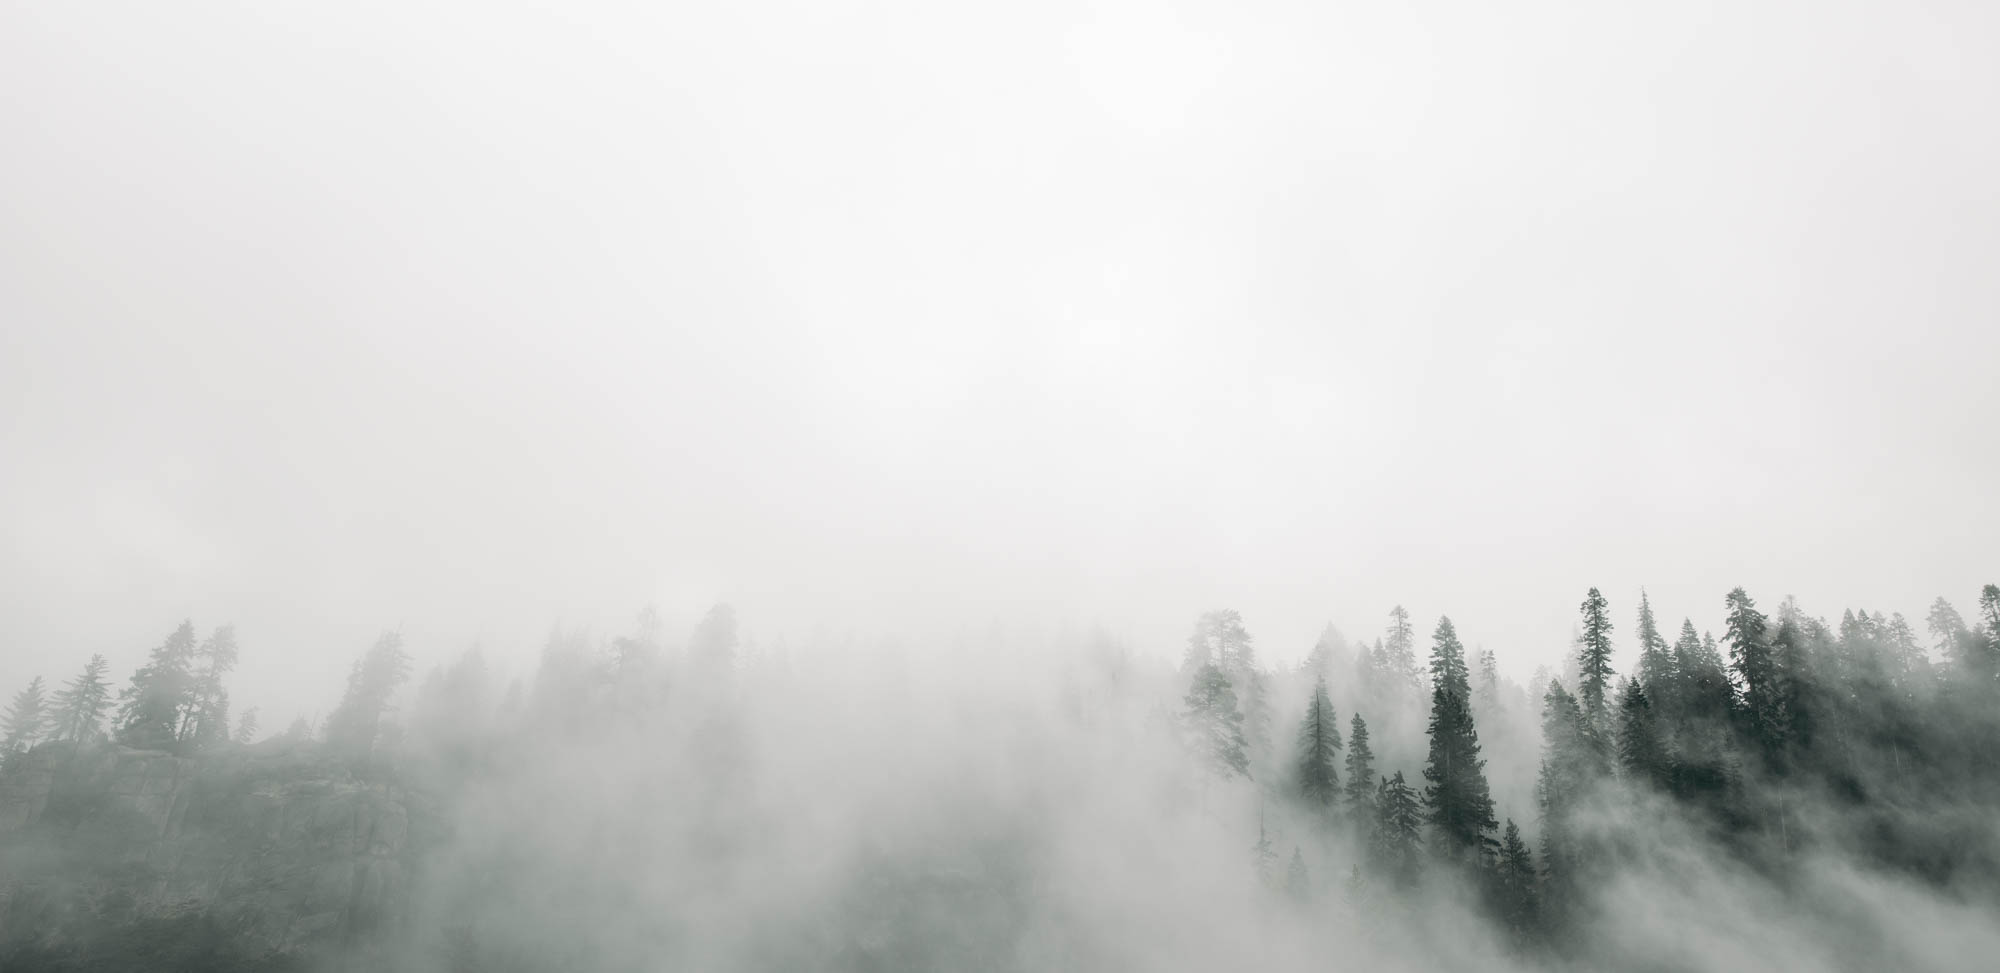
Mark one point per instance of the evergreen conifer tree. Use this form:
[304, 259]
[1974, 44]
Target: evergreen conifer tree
[1399, 650]
[1593, 661]
[1217, 725]
[79, 707]
[1461, 808]
[1656, 660]
[1398, 831]
[1516, 879]
[26, 720]
[1360, 769]
[153, 708]
[356, 723]
[1640, 751]
[1318, 747]
[1752, 660]
[246, 727]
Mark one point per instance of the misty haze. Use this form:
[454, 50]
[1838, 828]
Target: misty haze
[1108, 486]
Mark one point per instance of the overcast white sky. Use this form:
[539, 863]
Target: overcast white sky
[475, 318]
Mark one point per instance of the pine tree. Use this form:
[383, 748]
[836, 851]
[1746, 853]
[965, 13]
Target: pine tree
[1461, 808]
[153, 708]
[1593, 660]
[79, 707]
[1752, 660]
[1701, 684]
[207, 721]
[1298, 884]
[1319, 743]
[1954, 641]
[1219, 637]
[1448, 660]
[1487, 691]
[1792, 659]
[1987, 659]
[1360, 768]
[1211, 715]
[1640, 751]
[26, 720]
[1399, 652]
[1516, 879]
[1910, 668]
[1568, 769]
[1398, 831]
[1367, 679]
[1657, 668]
[356, 723]
[246, 727]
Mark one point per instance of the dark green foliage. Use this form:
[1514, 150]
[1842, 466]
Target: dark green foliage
[1657, 668]
[1448, 660]
[1211, 716]
[1514, 882]
[1397, 836]
[1360, 769]
[1569, 769]
[1640, 752]
[1593, 662]
[1318, 748]
[1461, 808]
[1756, 668]
[1702, 689]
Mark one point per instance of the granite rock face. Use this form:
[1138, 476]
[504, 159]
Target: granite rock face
[286, 850]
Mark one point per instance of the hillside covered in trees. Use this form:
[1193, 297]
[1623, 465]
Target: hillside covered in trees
[1764, 788]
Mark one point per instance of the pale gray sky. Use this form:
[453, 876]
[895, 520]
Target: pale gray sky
[473, 318]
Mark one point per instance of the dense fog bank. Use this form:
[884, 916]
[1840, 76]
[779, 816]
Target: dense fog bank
[1794, 794]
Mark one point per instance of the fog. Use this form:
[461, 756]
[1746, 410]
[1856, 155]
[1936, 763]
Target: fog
[958, 350]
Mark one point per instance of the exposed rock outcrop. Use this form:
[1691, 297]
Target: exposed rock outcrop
[287, 850]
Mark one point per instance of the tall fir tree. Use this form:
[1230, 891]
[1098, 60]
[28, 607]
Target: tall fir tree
[1656, 668]
[356, 724]
[1569, 767]
[207, 719]
[1360, 768]
[1640, 752]
[1211, 715]
[26, 720]
[1593, 661]
[1448, 660]
[1318, 747]
[1701, 684]
[1398, 832]
[1756, 668]
[153, 708]
[79, 706]
[1986, 665]
[1486, 690]
[1515, 877]
[1220, 638]
[1461, 807]
[1399, 650]
[246, 727]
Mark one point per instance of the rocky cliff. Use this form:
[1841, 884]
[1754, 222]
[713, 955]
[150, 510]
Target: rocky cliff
[269, 852]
